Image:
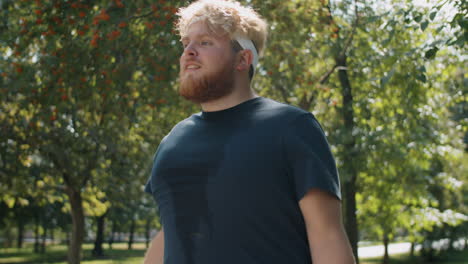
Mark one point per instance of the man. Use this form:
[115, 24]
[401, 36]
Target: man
[247, 180]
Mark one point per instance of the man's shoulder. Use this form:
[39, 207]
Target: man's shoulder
[280, 111]
[186, 123]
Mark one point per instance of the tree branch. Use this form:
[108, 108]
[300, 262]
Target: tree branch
[141, 16]
[353, 30]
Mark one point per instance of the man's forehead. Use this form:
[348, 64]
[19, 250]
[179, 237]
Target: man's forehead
[194, 36]
[198, 30]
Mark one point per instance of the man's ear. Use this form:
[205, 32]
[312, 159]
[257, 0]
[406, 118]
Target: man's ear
[245, 60]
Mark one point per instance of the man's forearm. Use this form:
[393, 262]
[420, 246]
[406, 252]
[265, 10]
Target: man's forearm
[155, 253]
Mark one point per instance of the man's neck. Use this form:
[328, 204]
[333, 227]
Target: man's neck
[239, 95]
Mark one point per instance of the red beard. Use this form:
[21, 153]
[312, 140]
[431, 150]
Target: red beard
[212, 86]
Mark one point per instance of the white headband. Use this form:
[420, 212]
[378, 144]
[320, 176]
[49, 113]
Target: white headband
[247, 44]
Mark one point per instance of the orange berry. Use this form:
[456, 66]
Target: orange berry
[122, 24]
[82, 14]
[149, 25]
[103, 15]
[119, 3]
[57, 20]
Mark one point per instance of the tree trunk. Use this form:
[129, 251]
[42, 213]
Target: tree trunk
[44, 238]
[36, 233]
[427, 251]
[19, 243]
[77, 236]
[385, 257]
[412, 249]
[147, 232]
[112, 235]
[349, 172]
[52, 238]
[132, 233]
[452, 238]
[98, 251]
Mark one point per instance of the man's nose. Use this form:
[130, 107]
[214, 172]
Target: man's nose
[190, 50]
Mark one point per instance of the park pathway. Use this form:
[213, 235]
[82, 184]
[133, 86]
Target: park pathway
[403, 247]
[378, 250]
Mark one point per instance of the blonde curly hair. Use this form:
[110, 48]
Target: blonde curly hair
[224, 17]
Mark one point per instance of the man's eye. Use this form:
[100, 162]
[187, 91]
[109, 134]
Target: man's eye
[205, 43]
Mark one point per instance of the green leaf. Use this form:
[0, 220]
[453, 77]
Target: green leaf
[424, 25]
[439, 29]
[418, 18]
[384, 80]
[421, 77]
[432, 15]
[430, 54]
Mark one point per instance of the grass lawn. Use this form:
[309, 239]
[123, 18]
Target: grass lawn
[56, 254]
[459, 257]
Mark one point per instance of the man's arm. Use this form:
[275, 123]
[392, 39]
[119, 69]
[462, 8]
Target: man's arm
[155, 252]
[327, 237]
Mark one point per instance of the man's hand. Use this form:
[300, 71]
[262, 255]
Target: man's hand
[327, 238]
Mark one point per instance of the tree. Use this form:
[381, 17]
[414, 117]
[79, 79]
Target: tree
[82, 71]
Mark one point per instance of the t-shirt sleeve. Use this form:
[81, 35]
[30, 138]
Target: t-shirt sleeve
[148, 188]
[309, 158]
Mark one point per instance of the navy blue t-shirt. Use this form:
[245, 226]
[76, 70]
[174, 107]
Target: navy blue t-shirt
[228, 183]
